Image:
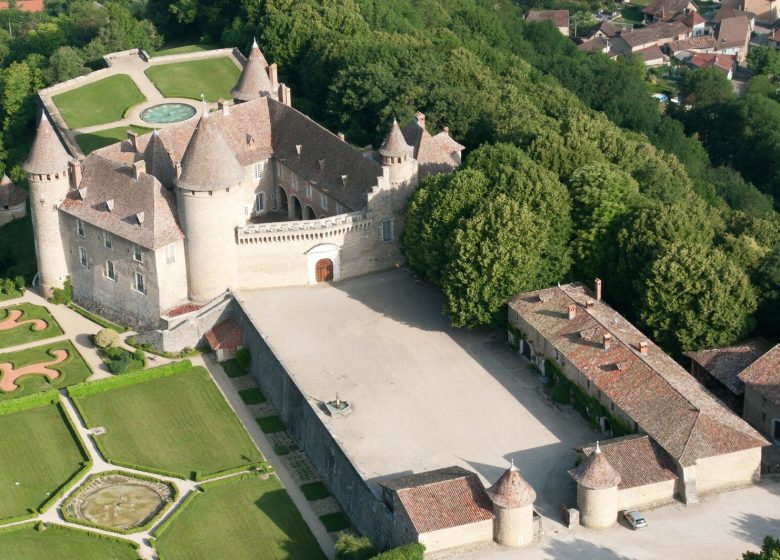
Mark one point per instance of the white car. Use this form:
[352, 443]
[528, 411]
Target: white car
[635, 519]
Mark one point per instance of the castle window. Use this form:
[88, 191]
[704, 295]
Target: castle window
[140, 283]
[260, 202]
[110, 272]
[387, 230]
[83, 257]
[339, 209]
[258, 170]
[137, 255]
[308, 191]
[170, 253]
[324, 201]
[79, 228]
[107, 241]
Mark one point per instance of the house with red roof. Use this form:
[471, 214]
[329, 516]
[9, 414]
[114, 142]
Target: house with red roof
[761, 380]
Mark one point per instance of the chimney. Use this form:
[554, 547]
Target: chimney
[589, 304]
[643, 347]
[341, 137]
[607, 340]
[598, 289]
[224, 106]
[298, 149]
[572, 311]
[138, 168]
[178, 169]
[75, 173]
[273, 75]
[132, 137]
[446, 130]
[420, 119]
[285, 95]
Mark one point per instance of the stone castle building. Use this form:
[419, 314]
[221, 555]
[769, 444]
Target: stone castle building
[254, 194]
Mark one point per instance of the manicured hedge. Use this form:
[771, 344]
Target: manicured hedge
[111, 383]
[314, 491]
[335, 521]
[270, 424]
[248, 474]
[262, 467]
[414, 551]
[252, 396]
[96, 318]
[18, 518]
[50, 526]
[29, 401]
[70, 483]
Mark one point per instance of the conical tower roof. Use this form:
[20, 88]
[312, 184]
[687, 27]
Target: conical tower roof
[395, 144]
[595, 472]
[158, 160]
[47, 154]
[208, 163]
[254, 81]
[511, 490]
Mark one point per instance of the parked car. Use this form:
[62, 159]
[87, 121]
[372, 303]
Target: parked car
[635, 519]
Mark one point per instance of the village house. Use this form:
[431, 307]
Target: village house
[733, 37]
[774, 39]
[13, 201]
[569, 331]
[764, 11]
[559, 19]
[646, 42]
[762, 393]
[723, 62]
[668, 10]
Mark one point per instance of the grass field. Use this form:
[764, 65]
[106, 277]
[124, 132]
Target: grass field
[240, 520]
[25, 333]
[32, 467]
[213, 77]
[61, 543]
[73, 370]
[96, 140]
[100, 102]
[176, 424]
[183, 49]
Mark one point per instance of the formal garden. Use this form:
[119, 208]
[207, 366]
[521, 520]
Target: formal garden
[33, 370]
[89, 142]
[99, 102]
[39, 541]
[212, 77]
[25, 322]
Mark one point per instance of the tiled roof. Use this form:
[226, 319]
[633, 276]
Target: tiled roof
[511, 490]
[726, 13]
[10, 194]
[637, 459]
[725, 364]
[224, 335]
[595, 472]
[597, 44]
[158, 160]
[143, 211]
[47, 154]
[443, 498]
[254, 81]
[651, 53]
[775, 36]
[395, 145]
[691, 19]
[763, 375]
[663, 399]
[666, 9]
[24, 5]
[182, 309]
[434, 156]
[654, 32]
[607, 28]
[702, 42]
[559, 18]
[733, 32]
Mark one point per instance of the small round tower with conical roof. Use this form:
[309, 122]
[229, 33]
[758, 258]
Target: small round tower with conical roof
[209, 198]
[513, 505]
[47, 170]
[254, 81]
[398, 157]
[597, 491]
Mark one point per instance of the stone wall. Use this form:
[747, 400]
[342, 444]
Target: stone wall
[366, 511]
[12, 213]
[761, 413]
[647, 496]
[724, 472]
[462, 535]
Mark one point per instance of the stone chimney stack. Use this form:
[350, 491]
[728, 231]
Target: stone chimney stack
[420, 119]
[598, 289]
[589, 304]
[572, 311]
[224, 106]
[643, 347]
[285, 95]
[607, 340]
[273, 74]
[132, 137]
[342, 137]
[75, 173]
[139, 167]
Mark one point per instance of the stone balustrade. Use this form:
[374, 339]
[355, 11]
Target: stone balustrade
[304, 230]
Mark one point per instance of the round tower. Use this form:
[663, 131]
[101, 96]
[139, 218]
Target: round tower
[597, 491]
[47, 170]
[254, 81]
[513, 507]
[398, 157]
[208, 193]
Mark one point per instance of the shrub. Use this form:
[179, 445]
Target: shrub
[120, 363]
[354, 547]
[335, 522]
[9, 286]
[106, 338]
[314, 491]
[243, 357]
[252, 396]
[102, 385]
[20, 283]
[415, 551]
[140, 356]
[63, 295]
[560, 393]
[281, 450]
[270, 424]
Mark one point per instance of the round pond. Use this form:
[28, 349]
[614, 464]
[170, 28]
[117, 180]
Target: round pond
[168, 113]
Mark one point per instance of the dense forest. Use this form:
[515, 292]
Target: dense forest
[572, 171]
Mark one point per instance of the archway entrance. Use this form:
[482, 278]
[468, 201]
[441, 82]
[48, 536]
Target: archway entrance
[308, 213]
[281, 199]
[296, 212]
[324, 270]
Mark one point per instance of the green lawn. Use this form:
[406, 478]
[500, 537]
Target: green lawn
[73, 370]
[176, 424]
[240, 520]
[96, 140]
[40, 454]
[60, 543]
[183, 49]
[25, 333]
[213, 77]
[100, 102]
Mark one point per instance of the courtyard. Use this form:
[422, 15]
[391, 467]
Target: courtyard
[423, 394]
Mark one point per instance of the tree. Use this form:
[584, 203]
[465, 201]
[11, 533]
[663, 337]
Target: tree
[705, 87]
[764, 61]
[353, 547]
[106, 338]
[495, 254]
[695, 297]
[64, 64]
[768, 283]
[770, 550]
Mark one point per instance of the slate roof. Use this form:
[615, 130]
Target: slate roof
[595, 472]
[637, 459]
[253, 82]
[653, 33]
[443, 498]
[435, 154]
[511, 490]
[733, 32]
[226, 334]
[395, 145]
[10, 194]
[664, 400]
[142, 211]
[725, 364]
[763, 375]
[559, 18]
[47, 155]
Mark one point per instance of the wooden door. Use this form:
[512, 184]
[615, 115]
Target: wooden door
[324, 270]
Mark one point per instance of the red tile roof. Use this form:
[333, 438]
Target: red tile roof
[596, 472]
[723, 62]
[10, 194]
[763, 375]
[637, 459]
[511, 490]
[443, 498]
[654, 33]
[664, 400]
[24, 5]
[725, 364]
[182, 309]
[226, 334]
[559, 18]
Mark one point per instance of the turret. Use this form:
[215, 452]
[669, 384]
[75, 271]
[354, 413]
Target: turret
[47, 169]
[597, 491]
[255, 81]
[209, 200]
[398, 157]
[513, 507]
